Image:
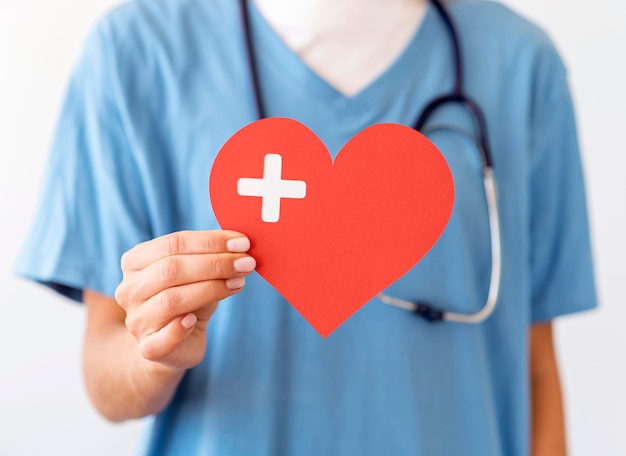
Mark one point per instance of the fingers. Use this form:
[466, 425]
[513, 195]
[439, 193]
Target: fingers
[180, 270]
[181, 258]
[170, 303]
[183, 243]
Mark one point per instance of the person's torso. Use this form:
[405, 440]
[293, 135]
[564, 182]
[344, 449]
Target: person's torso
[385, 382]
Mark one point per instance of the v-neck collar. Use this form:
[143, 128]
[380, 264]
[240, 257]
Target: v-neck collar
[270, 49]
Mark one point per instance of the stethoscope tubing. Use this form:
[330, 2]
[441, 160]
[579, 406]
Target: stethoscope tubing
[434, 315]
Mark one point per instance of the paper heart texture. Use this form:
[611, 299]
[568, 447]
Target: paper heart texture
[330, 236]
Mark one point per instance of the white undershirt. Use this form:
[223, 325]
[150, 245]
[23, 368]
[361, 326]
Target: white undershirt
[348, 43]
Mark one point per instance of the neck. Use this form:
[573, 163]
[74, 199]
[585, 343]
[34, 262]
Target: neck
[346, 42]
[315, 17]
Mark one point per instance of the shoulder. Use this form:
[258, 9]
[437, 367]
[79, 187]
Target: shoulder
[150, 46]
[492, 25]
[165, 16]
[139, 30]
[497, 40]
[497, 20]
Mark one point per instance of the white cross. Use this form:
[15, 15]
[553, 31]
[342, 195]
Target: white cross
[271, 188]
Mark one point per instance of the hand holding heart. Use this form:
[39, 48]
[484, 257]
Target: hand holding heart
[330, 236]
[171, 288]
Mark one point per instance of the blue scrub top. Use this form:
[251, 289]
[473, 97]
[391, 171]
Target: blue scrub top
[162, 84]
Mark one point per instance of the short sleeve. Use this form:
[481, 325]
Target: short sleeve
[92, 207]
[561, 260]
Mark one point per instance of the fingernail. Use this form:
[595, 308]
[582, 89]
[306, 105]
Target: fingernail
[235, 282]
[238, 245]
[245, 264]
[188, 321]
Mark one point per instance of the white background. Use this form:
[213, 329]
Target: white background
[43, 408]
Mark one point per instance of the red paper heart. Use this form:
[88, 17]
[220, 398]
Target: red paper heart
[363, 222]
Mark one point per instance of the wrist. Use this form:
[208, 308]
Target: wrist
[161, 374]
[154, 385]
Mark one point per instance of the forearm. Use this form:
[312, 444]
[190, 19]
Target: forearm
[121, 384]
[139, 344]
[548, 423]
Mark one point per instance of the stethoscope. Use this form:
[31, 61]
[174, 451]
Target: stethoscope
[456, 95]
